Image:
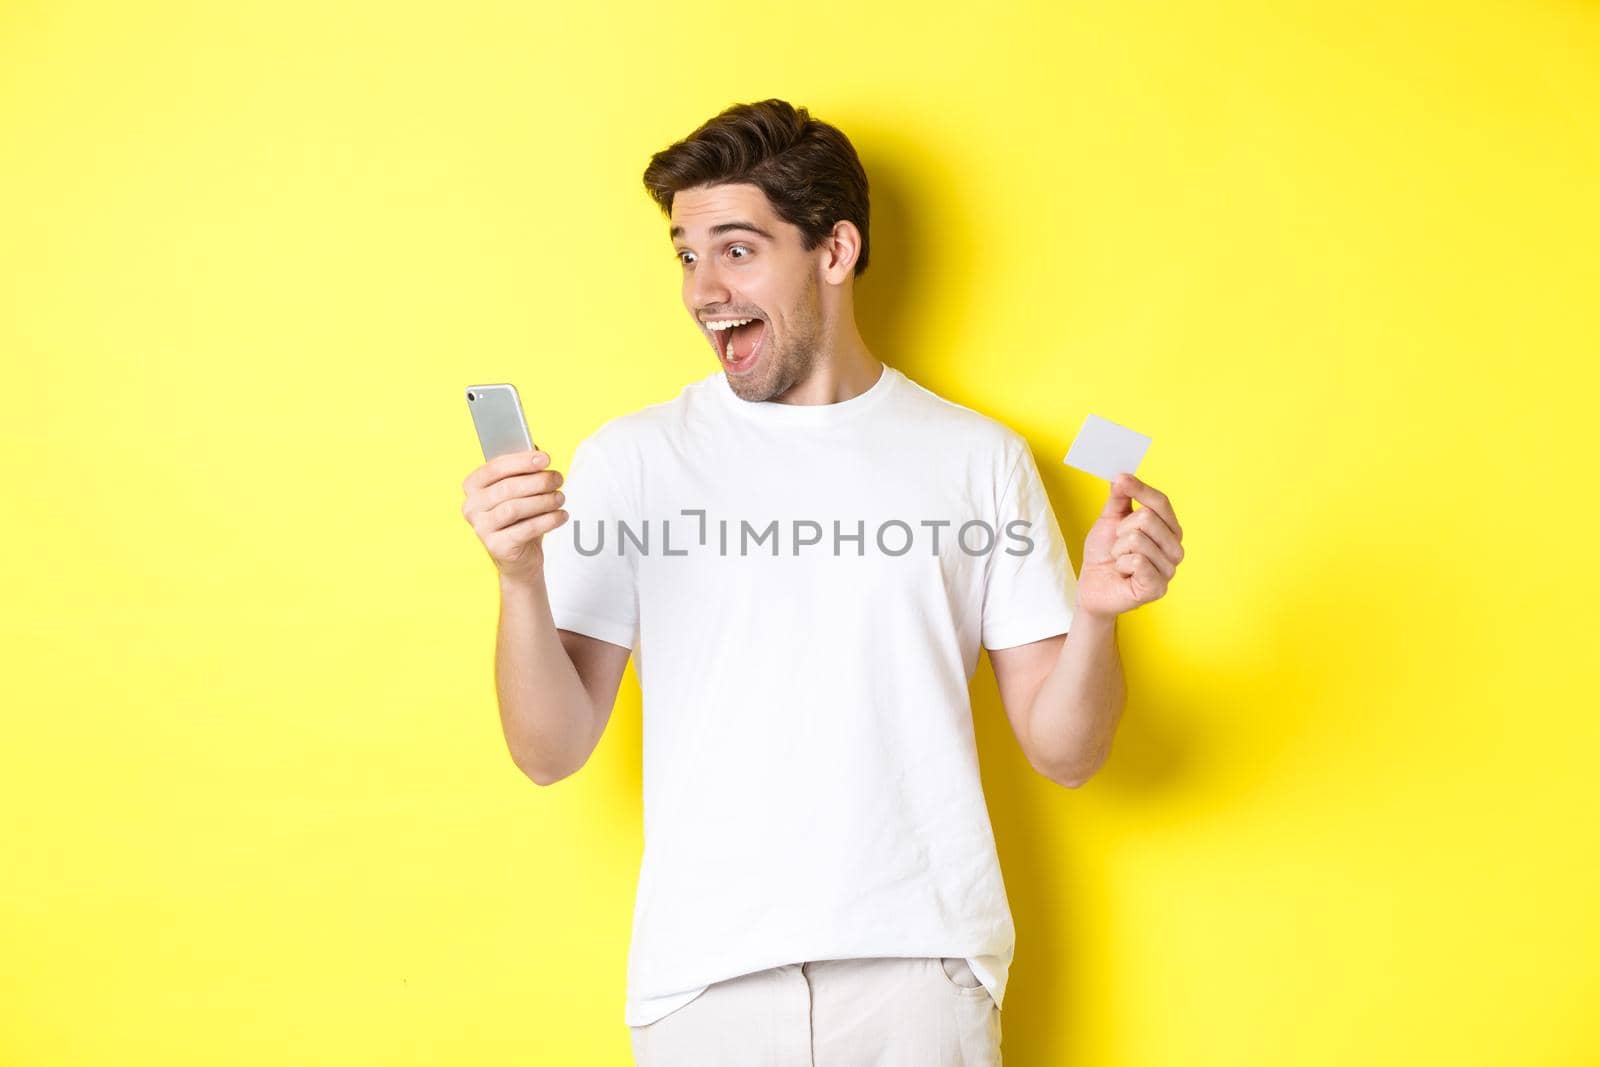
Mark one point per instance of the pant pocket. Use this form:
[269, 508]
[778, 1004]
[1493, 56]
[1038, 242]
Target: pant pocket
[959, 976]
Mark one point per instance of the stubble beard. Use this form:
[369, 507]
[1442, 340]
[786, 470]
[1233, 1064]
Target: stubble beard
[793, 361]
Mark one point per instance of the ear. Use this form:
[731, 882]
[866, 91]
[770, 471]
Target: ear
[842, 248]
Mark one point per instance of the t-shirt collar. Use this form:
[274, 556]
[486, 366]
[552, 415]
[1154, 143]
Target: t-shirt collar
[775, 413]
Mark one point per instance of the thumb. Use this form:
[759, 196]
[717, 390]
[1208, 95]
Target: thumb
[1120, 502]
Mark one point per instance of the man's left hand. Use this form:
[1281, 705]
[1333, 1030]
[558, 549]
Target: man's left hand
[1130, 556]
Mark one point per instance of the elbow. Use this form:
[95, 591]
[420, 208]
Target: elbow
[540, 778]
[546, 776]
[540, 775]
[1069, 781]
[1070, 775]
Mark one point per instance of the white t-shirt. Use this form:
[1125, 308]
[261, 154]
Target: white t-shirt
[804, 588]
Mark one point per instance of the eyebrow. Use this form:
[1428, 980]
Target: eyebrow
[724, 227]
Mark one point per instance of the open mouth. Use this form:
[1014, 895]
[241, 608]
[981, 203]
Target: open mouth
[738, 342]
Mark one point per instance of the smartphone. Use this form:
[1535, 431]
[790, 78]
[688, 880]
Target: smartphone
[497, 413]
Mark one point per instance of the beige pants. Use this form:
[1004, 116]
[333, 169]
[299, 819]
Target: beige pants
[883, 1011]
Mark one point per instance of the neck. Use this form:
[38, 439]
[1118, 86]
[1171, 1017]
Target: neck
[844, 369]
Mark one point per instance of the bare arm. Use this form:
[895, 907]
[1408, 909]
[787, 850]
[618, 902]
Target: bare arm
[555, 687]
[1064, 696]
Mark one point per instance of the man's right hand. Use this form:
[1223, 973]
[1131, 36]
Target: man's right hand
[511, 503]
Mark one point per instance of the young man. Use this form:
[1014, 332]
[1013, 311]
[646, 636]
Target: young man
[805, 550]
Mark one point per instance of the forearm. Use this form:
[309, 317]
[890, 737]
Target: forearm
[1075, 713]
[547, 715]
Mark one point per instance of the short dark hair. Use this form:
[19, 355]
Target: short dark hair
[808, 169]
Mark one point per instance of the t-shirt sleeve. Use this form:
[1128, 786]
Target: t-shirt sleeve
[592, 588]
[1030, 589]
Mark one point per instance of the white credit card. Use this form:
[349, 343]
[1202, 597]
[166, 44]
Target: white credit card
[1106, 449]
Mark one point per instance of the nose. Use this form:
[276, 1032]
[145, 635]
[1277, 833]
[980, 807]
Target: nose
[706, 289]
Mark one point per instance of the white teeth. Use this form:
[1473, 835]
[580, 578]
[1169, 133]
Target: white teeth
[727, 324]
[730, 347]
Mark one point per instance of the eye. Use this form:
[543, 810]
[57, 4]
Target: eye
[745, 247]
[685, 252]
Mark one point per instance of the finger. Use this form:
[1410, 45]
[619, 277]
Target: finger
[1147, 521]
[501, 466]
[1137, 566]
[508, 513]
[487, 499]
[1150, 497]
[1120, 502]
[518, 534]
[517, 485]
[1138, 543]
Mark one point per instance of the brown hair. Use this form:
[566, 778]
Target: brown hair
[808, 169]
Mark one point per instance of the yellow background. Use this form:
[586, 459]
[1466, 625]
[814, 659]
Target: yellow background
[1338, 260]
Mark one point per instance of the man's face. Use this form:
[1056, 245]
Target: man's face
[741, 261]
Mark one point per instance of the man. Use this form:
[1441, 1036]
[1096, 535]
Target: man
[805, 550]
